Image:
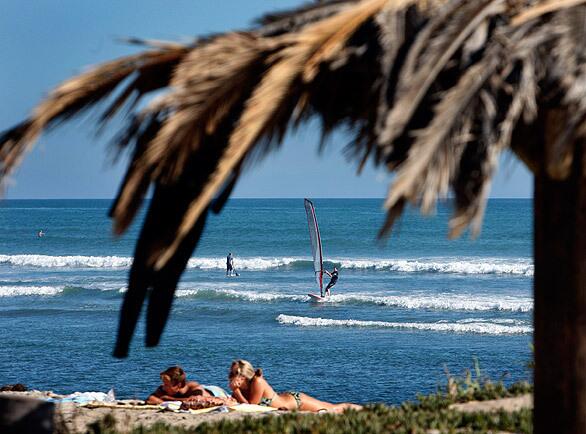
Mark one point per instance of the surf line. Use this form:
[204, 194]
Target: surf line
[470, 327]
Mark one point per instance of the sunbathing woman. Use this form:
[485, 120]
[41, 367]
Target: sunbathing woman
[175, 387]
[249, 386]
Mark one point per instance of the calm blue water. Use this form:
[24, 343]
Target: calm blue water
[399, 314]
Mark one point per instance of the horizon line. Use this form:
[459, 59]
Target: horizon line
[248, 198]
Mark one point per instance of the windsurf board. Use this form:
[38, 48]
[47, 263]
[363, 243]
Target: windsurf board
[316, 298]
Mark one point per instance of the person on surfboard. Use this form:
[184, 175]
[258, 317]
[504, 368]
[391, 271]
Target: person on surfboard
[230, 266]
[333, 279]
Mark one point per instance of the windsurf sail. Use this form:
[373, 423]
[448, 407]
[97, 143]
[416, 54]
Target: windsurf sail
[315, 239]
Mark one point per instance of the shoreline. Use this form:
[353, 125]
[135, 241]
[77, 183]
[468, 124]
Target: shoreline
[125, 415]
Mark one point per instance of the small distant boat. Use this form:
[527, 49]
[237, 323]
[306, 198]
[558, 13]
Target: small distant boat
[316, 250]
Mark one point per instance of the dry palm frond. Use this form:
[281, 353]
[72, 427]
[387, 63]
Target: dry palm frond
[152, 70]
[449, 111]
[429, 57]
[295, 62]
[543, 8]
[435, 89]
[203, 97]
[278, 23]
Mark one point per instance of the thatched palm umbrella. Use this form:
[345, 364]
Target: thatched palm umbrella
[433, 89]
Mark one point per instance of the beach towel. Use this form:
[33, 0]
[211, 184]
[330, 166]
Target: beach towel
[217, 409]
[192, 407]
[120, 405]
[170, 405]
[216, 391]
[199, 402]
[85, 397]
[251, 408]
[242, 408]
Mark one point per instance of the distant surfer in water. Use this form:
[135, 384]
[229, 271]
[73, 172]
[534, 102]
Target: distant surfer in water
[230, 265]
[40, 234]
[333, 279]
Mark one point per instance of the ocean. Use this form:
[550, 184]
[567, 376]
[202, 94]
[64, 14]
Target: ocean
[402, 314]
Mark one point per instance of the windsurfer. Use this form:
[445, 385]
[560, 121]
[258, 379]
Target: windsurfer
[333, 279]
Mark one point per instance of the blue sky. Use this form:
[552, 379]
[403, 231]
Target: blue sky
[43, 42]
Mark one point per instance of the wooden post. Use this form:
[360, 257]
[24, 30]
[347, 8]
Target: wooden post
[560, 296]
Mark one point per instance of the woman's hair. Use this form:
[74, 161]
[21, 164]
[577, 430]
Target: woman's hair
[175, 375]
[244, 368]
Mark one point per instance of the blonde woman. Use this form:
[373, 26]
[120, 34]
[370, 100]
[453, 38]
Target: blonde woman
[249, 386]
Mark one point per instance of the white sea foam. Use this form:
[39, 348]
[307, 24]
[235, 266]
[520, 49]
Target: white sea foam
[432, 302]
[441, 302]
[106, 287]
[518, 266]
[492, 320]
[254, 263]
[481, 327]
[413, 301]
[252, 296]
[45, 261]
[19, 291]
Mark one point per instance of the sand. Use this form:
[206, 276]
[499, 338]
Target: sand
[507, 404]
[77, 418]
[129, 415]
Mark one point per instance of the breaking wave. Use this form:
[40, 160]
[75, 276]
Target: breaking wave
[491, 327]
[499, 266]
[252, 296]
[432, 302]
[19, 291]
[440, 302]
[450, 302]
[516, 266]
[46, 261]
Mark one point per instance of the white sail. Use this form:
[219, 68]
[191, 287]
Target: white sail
[315, 239]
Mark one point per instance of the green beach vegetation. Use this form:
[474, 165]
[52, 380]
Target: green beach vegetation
[376, 419]
[428, 413]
